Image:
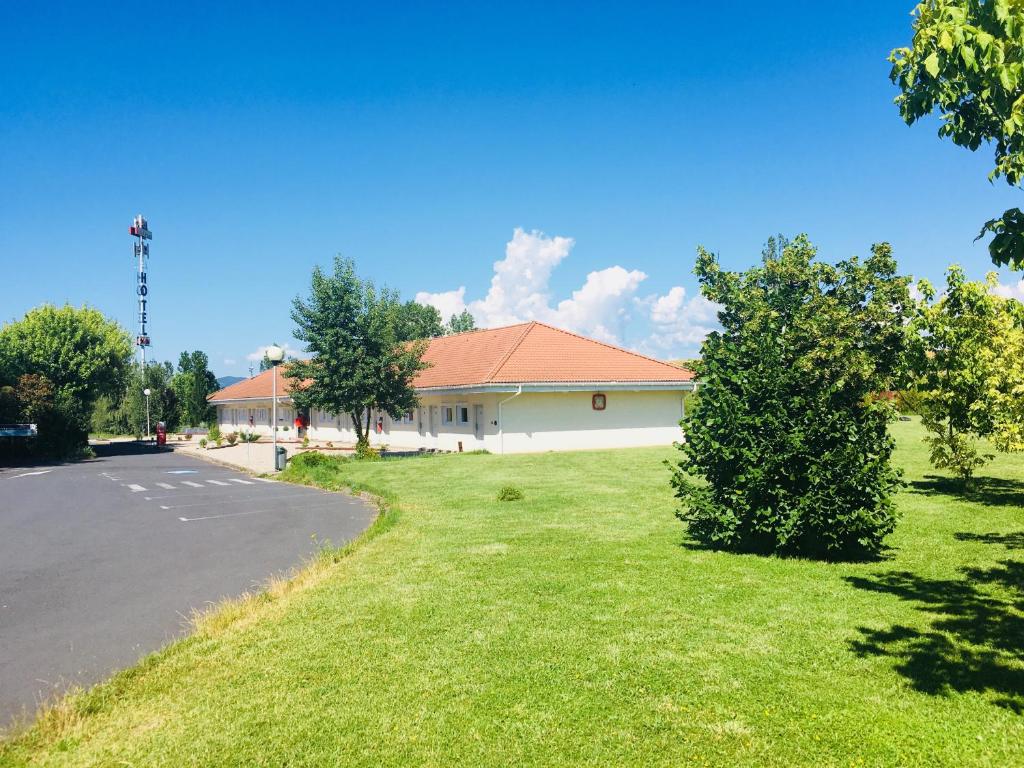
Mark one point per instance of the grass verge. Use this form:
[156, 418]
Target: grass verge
[579, 626]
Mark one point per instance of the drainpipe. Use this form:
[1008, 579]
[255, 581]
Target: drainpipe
[501, 422]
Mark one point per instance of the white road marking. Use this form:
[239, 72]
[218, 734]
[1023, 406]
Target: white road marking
[217, 482]
[135, 488]
[265, 480]
[247, 500]
[37, 472]
[239, 480]
[190, 483]
[229, 514]
[168, 486]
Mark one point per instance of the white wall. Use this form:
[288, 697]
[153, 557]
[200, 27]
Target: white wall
[567, 421]
[234, 417]
[533, 422]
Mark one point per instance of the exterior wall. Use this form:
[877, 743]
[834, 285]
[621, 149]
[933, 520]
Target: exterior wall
[566, 421]
[234, 417]
[533, 422]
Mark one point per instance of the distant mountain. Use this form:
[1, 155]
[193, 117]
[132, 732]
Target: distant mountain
[227, 381]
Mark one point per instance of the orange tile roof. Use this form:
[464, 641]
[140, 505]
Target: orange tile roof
[536, 353]
[259, 386]
[527, 353]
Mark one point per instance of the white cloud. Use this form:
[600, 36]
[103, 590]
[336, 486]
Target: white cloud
[679, 323]
[519, 287]
[1010, 291]
[519, 291]
[601, 308]
[229, 361]
[601, 305]
[256, 356]
[448, 303]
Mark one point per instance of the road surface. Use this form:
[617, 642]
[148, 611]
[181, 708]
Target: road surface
[103, 561]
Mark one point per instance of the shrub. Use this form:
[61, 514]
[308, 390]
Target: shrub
[311, 459]
[202, 442]
[510, 493]
[213, 433]
[366, 453]
[248, 437]
[305, 441]
[786, 449]
[232, 438]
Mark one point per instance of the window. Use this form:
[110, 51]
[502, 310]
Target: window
[598, 402]
[462, 413]
[409, 416]
[447, 414]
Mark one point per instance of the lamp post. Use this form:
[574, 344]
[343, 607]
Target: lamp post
[275, 355]
[147, 392]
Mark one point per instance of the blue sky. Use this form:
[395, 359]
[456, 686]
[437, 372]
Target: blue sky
[418, 138]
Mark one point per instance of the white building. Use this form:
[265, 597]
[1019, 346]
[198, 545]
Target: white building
[522, 388]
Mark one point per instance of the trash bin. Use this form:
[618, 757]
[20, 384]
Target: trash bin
[281, 458]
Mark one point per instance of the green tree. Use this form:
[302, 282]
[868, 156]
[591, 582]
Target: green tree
[460, 323]
[81, 355]
[969, 360]
[193, 384]
[163, 400]
[418, 321]
[359, 358]
[966, 60]
[786, 448]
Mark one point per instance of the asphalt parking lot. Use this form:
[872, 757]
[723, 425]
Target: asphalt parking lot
[102, 562]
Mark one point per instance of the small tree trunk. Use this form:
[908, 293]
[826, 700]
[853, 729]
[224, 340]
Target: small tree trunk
[357, 422]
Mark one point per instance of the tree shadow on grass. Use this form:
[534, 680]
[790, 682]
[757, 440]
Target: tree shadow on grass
[975, 639]
[993, 491]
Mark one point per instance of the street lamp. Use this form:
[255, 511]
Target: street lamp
[147, 393]
[275, 355]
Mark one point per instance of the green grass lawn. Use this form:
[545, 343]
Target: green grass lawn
[578, 626]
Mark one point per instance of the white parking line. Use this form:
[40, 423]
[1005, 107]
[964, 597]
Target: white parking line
[37, 472]
[168, 486]
[249, 512]
[190, 483]
[245, 500]
[217, 482]
[239, 480]
[134, 488]
[229, 514]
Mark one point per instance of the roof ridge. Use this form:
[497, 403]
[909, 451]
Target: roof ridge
[612, 346]
[478, 330]
[528, 326]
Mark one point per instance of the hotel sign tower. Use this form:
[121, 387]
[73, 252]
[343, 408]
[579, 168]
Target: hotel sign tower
[140, 231]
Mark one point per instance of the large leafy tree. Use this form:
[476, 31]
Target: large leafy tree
[460, 323]
[787, 449]
[418, 321]
[969, 360]
[75, 355]
[966, 61]
[193, 384]
[159, 379]
[360, 357]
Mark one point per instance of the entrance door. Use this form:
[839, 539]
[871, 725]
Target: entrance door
[432, 410]
[478, 423]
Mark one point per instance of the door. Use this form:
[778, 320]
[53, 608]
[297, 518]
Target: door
[433, 425]
[478, 423]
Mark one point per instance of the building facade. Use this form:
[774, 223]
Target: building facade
[522, 388]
